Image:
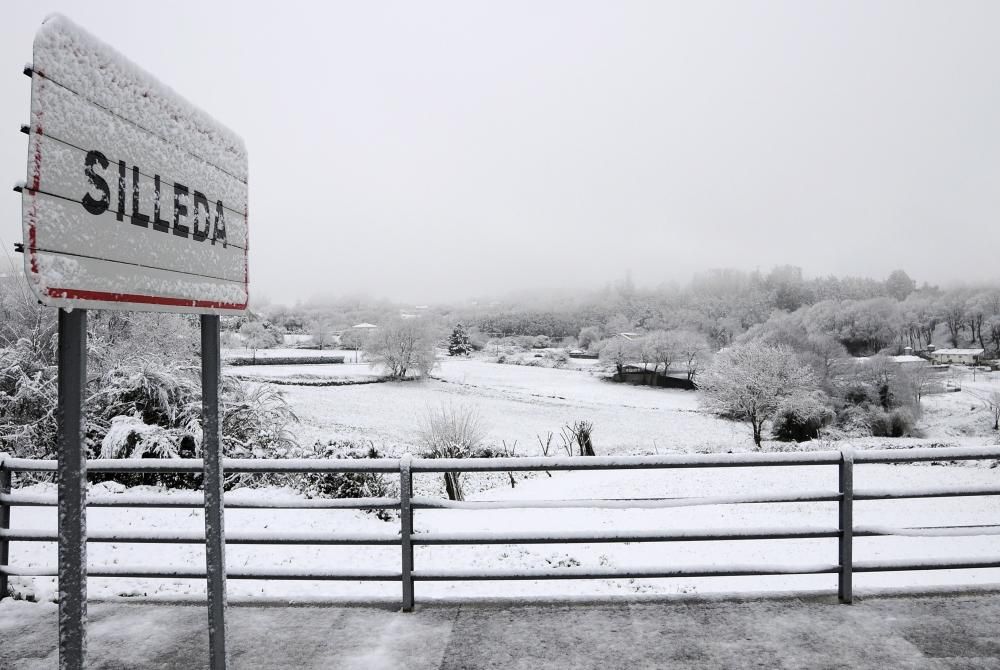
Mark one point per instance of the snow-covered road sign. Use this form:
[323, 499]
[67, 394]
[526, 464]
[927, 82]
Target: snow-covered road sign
[135, 199]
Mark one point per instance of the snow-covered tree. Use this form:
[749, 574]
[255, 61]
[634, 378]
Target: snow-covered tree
[588, 336]
[749, 382]
[257, 336]
[322, 333]
[458, 342]
[401, 346]
[618, 351]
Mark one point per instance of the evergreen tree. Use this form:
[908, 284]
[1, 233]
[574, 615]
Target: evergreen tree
[458, 343]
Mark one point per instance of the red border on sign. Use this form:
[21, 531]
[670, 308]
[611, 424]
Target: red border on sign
[102, 296]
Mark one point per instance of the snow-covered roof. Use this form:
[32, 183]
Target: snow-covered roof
[908, 359]
[364, 325]
[958, 352]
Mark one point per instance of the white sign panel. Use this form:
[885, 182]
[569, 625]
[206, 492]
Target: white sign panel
[135, 199]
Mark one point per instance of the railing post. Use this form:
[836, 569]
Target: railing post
[4, 525]
[406, 528]
[845, 590]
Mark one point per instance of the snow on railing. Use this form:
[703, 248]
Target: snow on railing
[197, 501]
[407, 504]
[629, 503]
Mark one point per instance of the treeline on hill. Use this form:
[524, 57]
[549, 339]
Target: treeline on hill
[865, 315]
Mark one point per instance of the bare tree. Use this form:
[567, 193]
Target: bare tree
[922, 379]
[991, 399]
[691, 349]
[749, 381]
[452, 431]
[661, 348]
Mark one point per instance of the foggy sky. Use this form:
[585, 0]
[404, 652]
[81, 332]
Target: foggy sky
[433, 151]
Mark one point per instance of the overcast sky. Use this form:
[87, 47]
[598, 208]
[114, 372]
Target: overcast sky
[432, 151]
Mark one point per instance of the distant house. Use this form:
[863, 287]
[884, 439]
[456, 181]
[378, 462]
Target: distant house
[909, 359]
[961, 356]
[364, 326]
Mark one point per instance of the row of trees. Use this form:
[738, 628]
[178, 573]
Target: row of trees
[865, 315]
[683, 349]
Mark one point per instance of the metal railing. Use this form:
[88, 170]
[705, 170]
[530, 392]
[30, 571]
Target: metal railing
[407, 504]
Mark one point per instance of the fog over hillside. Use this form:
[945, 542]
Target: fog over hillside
[446, 151]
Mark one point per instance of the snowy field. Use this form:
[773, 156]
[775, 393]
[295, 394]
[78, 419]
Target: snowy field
[516, 403]
[519, 403]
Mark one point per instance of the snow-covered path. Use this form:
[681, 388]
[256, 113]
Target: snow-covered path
[928, 632]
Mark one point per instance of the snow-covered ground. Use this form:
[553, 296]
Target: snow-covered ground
[626, 484]
[519, 403]
[516, 403]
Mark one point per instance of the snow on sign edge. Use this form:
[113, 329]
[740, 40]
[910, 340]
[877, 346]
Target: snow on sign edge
[178, 140]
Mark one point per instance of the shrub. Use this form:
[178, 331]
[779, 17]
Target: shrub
[452, 431]
[897, 423]
[800, 418]
[350, 484]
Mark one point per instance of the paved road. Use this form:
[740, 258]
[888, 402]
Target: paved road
[958, 631]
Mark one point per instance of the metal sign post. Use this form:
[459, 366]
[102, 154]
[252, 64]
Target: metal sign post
[135, 200]
[72, 475]
[211, 448]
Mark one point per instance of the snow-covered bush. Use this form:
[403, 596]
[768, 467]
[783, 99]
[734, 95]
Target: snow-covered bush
[161, 394]
[897, 423]
[350, 484]
[550, 358]
[28, 394]
[255, 422]
[801, 417]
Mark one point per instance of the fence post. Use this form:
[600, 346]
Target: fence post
[4, 525]
[406, 528]
[845, 590]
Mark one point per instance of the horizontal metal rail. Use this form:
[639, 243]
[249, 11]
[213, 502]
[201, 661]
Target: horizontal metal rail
[407, 504]
[944, 492]
[627, 503]
[196, 501]
[620, 573]
[170, 537]
[231, 465]
[168, 572]
[616, 536]
[516, 464]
